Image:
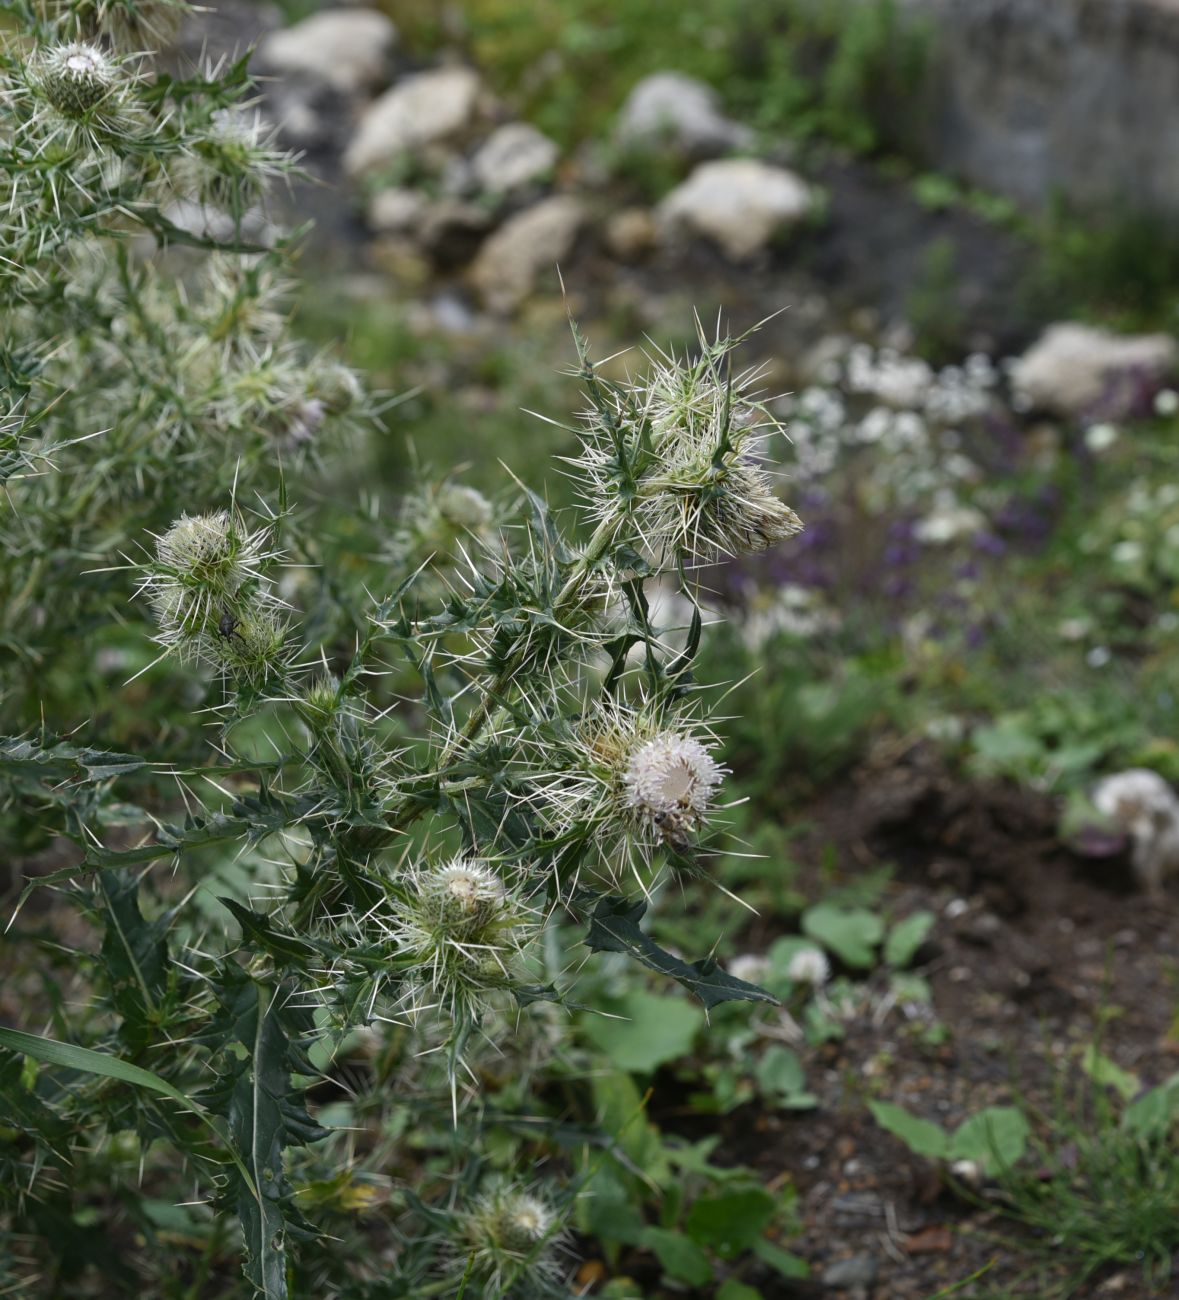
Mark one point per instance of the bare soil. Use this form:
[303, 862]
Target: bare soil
[1032, 945]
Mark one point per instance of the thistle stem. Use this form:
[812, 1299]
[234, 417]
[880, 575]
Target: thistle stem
[597, 546]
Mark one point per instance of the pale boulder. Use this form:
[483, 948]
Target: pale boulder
[513, 156]
[1070, 367]
[425, 109]
[525, 248]
[669, 110]
[740, 204]
[347, 48]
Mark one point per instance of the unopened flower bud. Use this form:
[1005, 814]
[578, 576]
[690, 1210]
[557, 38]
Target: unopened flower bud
[505, 1232]
[464, 508]
[75, 78]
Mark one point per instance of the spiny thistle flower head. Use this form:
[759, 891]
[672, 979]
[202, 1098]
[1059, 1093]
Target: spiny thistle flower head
[77, 78]
[215, 553]
[250, 646]
[510, 1236]
[465, 929]
[674, 460]
[669, 782]
[210, 598]
[809, 966]
[438, 519]
[631, 779]
[234, 159]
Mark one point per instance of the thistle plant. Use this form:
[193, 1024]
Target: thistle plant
[323, 815]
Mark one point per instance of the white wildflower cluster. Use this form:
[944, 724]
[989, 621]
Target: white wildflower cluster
[901, 407]
[675, 459]
[786, 608]
[809, 966]
[463, 931]
[507, 1236]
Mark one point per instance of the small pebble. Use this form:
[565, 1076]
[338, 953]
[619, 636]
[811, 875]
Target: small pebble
[859, 1270]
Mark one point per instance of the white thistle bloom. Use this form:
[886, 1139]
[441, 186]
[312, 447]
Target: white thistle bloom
[629, 780]
[1144, 806]
[669, 782]
[1166, 402]
[809, 966]
[464, 929]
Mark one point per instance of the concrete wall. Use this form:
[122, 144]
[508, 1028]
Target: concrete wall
[1080, 97]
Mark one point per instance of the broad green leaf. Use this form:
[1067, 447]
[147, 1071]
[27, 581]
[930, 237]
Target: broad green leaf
[1107, 1073]
[731, 1289]
[622, 1118]
[680, 1257]
[654, 1029]
[852, 934]
[1153, 1114]
[605, 1211]
[906, 937]
[781, 1261]
[730, 1221]
[779, 1074]
[922, 1136]
[995, 1138]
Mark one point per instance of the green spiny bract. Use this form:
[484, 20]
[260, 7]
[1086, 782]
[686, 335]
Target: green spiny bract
[672, 462]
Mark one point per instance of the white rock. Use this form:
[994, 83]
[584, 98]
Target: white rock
[1068, 367]
[396, 210]
[526, 247]
[739, 203]
[1144, 806]
[421, 110]
[348, 48]
[671, 110]
[512, 156]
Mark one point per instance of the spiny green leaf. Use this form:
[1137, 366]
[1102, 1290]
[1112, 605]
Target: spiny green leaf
[135, 955]
[614, 927]
[83, 1059]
